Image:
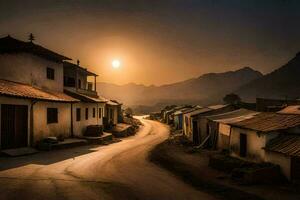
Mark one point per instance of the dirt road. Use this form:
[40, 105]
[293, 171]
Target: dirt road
[117, 171]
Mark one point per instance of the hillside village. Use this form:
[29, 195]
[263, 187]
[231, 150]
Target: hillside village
[264, 133]
[47, 100]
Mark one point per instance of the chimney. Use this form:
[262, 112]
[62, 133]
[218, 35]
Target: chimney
[78, 62]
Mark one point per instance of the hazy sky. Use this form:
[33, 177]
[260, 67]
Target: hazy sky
[160, 41]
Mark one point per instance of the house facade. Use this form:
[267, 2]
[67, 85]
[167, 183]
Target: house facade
[253, 140]
[33, 105]
[220, 129]
[42, 95]
[80, 83]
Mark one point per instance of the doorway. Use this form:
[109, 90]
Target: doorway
[14, 126]
[195, 133]
[243, 145]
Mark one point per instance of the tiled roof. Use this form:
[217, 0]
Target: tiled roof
[291, 110]
[266, 122]
[285, 144]
[12, 45]
[9, 88]
[84, 98]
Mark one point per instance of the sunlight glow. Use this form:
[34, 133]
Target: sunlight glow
[116, 64]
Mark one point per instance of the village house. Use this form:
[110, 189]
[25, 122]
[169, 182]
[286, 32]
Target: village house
[112, 114]
[169, 115]
[220, 129]
[33, 105]
[80, 83]
[195, 123]
[190, 126]
[268, 137]
[178, 116]
[42, 95]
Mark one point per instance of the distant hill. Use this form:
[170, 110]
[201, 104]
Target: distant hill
[208, 88]
[281, 83]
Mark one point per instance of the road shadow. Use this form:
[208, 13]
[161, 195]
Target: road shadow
[45, 157]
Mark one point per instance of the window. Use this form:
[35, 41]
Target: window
[50, 73]
[86, 113]
[94, 112]
[78, 114]
[100, 112]
[52, 115]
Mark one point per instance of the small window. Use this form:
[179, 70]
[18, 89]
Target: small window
[94, 112]
[100, 112]
[52, 115]
[86, 113]
[78, 114]
[50, 73]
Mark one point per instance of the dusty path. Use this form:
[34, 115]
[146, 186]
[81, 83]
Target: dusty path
[117, 171]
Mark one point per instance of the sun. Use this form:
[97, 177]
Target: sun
[116, 64]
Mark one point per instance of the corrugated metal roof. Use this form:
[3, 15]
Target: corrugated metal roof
[215, 107]
[285, 144]
[266, 122]
[198, 111]
[9, 88]
[291, 110]
[233, 116]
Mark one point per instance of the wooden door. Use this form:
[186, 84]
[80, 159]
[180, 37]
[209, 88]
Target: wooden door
[14, 126]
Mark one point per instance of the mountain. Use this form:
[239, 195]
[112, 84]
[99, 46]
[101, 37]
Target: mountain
[281, 83]
[208, 88]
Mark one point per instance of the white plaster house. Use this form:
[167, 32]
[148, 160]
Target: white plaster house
[269, 137]
[33, 105]
[91, 108]
[42, 95]
[219, 128]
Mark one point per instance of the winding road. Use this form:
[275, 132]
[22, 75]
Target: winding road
[116, 171]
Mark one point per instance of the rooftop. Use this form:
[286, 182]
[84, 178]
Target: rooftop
[82, 69]
[291, 110]
[266, 122]
[12, 45]
[285, 144]
[198, 111]
[19, 90]
[233, 116]
[85, 98]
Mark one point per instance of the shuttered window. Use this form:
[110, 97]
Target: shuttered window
[78, 114]
[52, 115]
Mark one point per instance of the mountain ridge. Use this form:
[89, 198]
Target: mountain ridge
[194, 90]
